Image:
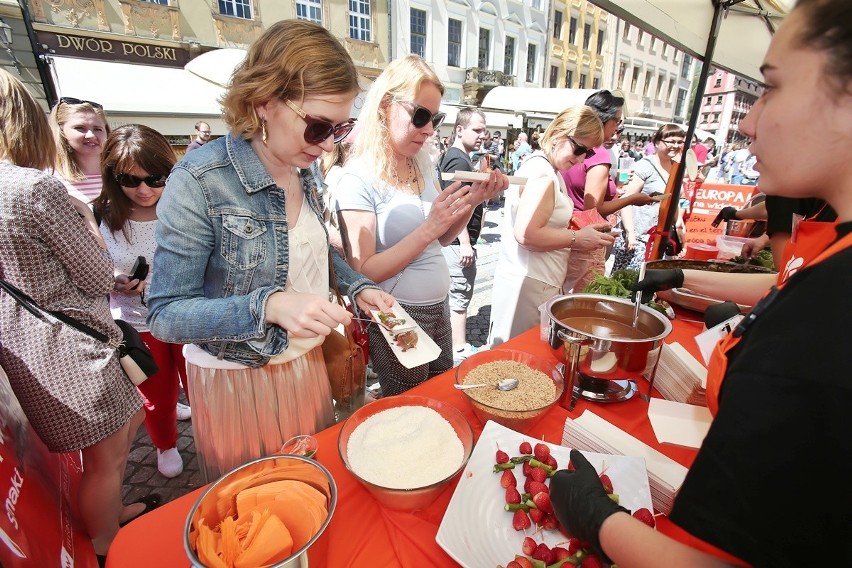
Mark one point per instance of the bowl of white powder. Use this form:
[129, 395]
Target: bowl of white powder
[405, 449]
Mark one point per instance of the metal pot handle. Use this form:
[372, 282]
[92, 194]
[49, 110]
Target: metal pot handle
[579, 341]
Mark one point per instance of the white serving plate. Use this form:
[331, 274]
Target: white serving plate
[476, 531]
[478, 176]
[424, 352]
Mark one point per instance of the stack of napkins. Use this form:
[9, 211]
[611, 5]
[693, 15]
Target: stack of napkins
[680, 376]
[592, 433]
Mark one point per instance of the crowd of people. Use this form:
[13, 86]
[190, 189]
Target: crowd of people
[247, 232]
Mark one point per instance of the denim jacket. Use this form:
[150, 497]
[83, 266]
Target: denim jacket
[222, 250]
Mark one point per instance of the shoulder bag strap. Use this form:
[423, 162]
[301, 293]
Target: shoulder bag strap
[29, 304]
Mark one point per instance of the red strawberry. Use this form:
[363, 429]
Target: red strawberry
[591, 561]
[523, 562]
[512, 495]
[550, 523]
[559, 553]
[513, 564]
[521, 520]
[541, 452]
[542, 502]
[538, 474]
[508, 479]
[551, 461]
[645, 516]
[527, 469]
[537, 487]
[570, 466]
[607, 483]
[502, 457]
[537, 516]
[525, 448]
[543, 553]
[529, 546]
[574, 544]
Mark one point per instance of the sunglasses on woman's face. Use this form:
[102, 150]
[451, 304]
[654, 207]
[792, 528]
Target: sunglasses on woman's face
[580, 150]
[127, 180]
[421, 116]
[73, 101]
[318, 130]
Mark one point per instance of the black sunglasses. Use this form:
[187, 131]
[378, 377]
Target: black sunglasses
[421, 116]
[127, 180]
[579, 149]
[318, 130]
[73, 101]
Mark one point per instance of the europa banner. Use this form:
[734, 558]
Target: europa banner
[37, 528]
[709, 199]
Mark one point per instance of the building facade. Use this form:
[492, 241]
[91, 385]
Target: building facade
[727, 99]
[129, 54]
[577, 58]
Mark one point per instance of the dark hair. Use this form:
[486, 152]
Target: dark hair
[126, 147]
[667, 130]
[605, 104]
[199, 123]
[826, 28]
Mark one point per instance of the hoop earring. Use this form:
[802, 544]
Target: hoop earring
[264, 136]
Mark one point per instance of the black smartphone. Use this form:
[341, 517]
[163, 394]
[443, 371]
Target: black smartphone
[140, 269]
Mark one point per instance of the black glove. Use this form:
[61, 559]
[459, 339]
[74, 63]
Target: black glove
[580, 501]
[726, 214]
[656, 280]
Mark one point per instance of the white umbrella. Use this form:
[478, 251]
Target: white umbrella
[744, 29]
[217, 65]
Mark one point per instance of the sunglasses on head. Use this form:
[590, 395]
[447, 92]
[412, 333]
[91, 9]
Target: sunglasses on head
[73, 101]
[318, 130]
[580, 150]
[127, 180]
[421, 116]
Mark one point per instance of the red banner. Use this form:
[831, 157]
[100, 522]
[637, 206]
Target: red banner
[37, 527]
[709, 199]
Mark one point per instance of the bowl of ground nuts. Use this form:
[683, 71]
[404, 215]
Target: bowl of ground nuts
[539, 386]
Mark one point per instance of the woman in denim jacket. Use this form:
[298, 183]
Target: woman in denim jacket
[241, 268]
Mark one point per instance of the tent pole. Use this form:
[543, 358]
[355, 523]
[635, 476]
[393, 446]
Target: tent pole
[668, 207]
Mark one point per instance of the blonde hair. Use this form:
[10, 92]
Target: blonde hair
[292, 59]
[25, 138]
[578, 121]
[400, 81]
[65, 164]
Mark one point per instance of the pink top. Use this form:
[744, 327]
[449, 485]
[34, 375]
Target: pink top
[575, 177]
[87, 189]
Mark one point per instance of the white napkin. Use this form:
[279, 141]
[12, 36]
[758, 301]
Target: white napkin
[679, 423]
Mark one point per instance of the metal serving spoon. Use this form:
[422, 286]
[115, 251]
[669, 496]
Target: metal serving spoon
[503, 385]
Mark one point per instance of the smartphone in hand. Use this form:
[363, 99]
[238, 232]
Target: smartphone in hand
[140, 269]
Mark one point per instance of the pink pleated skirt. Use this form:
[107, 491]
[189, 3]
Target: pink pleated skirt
[242, 414]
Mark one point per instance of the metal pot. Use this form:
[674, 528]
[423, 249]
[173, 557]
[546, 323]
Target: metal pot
[602, 346]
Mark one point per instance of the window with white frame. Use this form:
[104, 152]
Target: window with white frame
[670, 90]
[536, 4]
[569, 79]
[484, 59]
[454, 42]
[310, 10]
[557, 24]
[572, 31]
[509, 56]
[360, 25]
[587, 36]
[622, 71]
[236, 8]
[418, 32]
[554, 76]
[582, 80]
[681, 102]
[596, 83]
[601, 38]
[531, 57]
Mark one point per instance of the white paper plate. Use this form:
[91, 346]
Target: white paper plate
[476, 531]
[424, 352]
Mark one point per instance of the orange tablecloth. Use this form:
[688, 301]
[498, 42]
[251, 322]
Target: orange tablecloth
[362, 533]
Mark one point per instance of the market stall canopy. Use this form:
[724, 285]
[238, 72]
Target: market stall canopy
[534, 101]
[169, 100]
[744, 34]
[217, 65]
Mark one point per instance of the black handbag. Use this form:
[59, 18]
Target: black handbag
[135, 357]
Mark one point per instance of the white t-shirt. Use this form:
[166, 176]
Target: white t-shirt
[124, 255]
[426, 279]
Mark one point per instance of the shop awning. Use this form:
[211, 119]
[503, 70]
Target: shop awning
[169, 100]
[534, 102]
